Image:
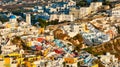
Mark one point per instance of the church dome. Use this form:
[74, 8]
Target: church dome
[12, 17]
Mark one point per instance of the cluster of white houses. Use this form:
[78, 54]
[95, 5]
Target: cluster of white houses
[62, 17]
[116, 11]
[77, 13]
[84, 11]
[109, 60]
[61, 50]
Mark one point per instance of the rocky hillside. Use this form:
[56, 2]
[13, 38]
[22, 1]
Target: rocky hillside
[112, 46]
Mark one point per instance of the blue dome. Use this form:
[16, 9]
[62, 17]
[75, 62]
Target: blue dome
[12, 17]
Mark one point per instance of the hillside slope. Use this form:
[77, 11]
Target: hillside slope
[112, 46]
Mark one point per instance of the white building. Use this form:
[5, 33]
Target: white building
[109, 60]
[64, 17]
[116, 12]
[8, 48]
[28, 18]
[12, 18]
[95, 5]
[80, 13]
[71, 3]
[75, 12]
[72, 29]
[54, 17]
[84, 11]
[53, 9]
[61, 17]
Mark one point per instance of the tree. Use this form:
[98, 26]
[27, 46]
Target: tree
[2, 19]
[118, 29]
[64, 64]
[53, 22]
[0, 49]
[42, 23]
[106, 2]
[78, 37]
[98, 62]
[19, 42]
[78, 64]
[82, 3]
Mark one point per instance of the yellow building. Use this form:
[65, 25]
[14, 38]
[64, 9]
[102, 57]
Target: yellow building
[41, 31]
[70, 60]
[85, 28]
[29, 44]
[46, 51]
[8, 25]
[7, 62]
[96, 65]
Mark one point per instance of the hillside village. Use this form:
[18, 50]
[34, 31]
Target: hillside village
[62, 36]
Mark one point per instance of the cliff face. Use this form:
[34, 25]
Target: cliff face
[112, 46]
